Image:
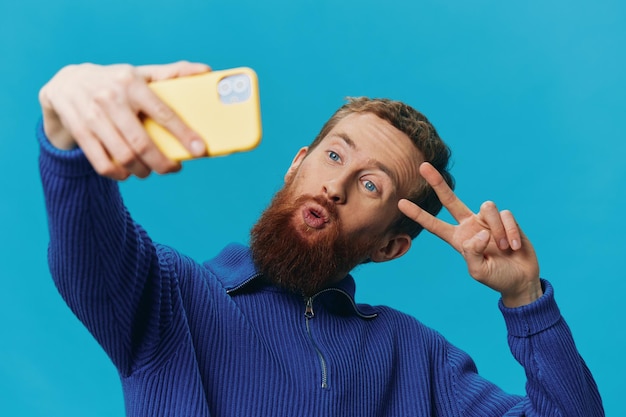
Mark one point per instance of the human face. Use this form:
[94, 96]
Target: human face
[363, 166]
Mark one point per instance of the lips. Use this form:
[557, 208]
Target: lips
[314, 215]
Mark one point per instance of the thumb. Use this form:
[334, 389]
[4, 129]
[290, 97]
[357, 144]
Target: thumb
[473, 252]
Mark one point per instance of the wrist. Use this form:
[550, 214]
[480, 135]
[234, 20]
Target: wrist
[53, 127]
[57, 135]
[534, 318]
[525, 295]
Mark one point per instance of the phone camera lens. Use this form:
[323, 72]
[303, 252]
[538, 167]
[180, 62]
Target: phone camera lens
[224, 87]
[241, 84]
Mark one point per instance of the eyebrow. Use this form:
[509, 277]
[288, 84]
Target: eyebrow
[384, 168]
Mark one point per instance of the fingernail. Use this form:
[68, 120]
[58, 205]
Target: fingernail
[197, 147]
[515, 244]
[483, 235]
[504, 244]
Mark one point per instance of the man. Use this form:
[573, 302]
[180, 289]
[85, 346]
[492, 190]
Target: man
[274, 329]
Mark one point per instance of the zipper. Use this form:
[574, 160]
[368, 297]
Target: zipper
[243, 284]
[309, 314]
[354, 306]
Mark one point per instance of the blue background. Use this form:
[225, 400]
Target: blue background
[529, 95]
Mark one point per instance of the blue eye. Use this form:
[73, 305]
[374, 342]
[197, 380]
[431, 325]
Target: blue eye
[334, 156]
[370, 186]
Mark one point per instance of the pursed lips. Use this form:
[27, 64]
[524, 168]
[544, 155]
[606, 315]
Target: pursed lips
[314, 215]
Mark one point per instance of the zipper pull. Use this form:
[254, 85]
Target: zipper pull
[308, 312]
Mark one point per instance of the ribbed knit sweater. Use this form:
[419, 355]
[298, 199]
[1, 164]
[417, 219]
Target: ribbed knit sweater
[212, 339]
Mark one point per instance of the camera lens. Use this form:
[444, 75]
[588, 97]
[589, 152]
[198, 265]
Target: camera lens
[241, 83]
[224, 87]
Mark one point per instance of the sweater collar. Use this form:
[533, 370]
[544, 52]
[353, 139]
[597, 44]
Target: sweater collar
[236, 270]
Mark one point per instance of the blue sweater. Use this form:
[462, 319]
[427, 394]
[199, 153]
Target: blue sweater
[191, 339]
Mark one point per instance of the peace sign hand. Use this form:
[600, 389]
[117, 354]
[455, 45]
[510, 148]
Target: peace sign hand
[498, 254]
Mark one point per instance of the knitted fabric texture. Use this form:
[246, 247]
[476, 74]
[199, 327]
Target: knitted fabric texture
[212, 339]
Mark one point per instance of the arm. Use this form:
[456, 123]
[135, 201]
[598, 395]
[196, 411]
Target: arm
[499, 255]
[98, 258]
[104, 264]
[557, 376]
[559, 383]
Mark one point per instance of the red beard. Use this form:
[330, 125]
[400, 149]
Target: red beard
[297, 257]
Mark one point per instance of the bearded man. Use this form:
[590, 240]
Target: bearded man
[273, 329]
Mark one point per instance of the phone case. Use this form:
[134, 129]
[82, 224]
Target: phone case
[222, 106]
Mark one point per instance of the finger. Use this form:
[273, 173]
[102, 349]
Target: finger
[448, 199]
[513, 232]
[133, 147]
[144, 100]
[176, 69]
[94, 151]
[100, 159]
[491, 216]
[429, 222]
[100, 119]
[119, 150]
[473, 252]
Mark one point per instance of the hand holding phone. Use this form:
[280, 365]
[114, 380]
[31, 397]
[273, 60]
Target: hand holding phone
[96, 108]
[223, 107]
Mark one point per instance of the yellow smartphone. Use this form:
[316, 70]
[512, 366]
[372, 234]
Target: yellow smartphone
[222, 106]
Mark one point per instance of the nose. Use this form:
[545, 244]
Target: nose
[334, 189]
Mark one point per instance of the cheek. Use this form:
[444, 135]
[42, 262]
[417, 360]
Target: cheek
[298, 176]
[307, 181]
[364, 222]
[294, 181]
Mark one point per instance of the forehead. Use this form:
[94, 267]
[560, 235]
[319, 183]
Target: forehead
[382, 145]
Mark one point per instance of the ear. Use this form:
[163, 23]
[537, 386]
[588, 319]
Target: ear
[297, 160]
[392, 248]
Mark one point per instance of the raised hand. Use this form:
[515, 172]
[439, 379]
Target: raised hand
[99, 109]
[497, 252]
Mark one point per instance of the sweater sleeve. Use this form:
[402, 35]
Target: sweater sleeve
[100, 260]
[558, 381]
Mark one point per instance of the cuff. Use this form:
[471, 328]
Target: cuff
[70, 163]
[533, 318]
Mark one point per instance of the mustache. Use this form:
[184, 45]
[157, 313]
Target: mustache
[325, 203]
